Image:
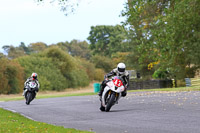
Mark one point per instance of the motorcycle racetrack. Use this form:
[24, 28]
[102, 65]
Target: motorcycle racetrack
[138, 112]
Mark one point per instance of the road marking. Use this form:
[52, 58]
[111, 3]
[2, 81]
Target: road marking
[19, 113]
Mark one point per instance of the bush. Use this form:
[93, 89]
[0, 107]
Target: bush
[87, 66]
[99, 74]
[11, 76]
[180, 83]
[160, 74]
[49, 76]
[70, 68]
[78, 78]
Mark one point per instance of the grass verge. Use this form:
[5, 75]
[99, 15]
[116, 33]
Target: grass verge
[52, 94]
[193, 88]
[46, 96]
[89, 92]
[15, 123]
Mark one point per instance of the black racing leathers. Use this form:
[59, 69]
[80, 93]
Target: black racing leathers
[115, 72]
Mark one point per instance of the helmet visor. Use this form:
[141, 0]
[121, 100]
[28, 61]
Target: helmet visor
[121, 69]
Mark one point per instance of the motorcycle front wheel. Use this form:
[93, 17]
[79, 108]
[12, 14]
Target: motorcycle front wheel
[110, 102]
[28, 98]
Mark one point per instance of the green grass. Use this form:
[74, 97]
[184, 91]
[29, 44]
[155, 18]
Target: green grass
[11, 99]
[193, 88]
[15, 123]
[47, 96]
[68, 95]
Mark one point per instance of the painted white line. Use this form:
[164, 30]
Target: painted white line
[10, 110]
[28, 117]
[20, 114]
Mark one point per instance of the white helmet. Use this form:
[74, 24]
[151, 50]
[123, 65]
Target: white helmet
[121, 68]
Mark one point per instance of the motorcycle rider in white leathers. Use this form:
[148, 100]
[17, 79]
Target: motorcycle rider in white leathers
[33, 78]
[119, 71]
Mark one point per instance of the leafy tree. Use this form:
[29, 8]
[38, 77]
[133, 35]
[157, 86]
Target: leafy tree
[21, 50]
[141, 15]
[37, 47]
[106, 40]
[76, 48]
[26, 49]
[65, 46]
[103, 62]
[6, 48]
[2, 55]
[120, 57]
[166, 31]
[13, 52]
[67, 6]
[178, 42]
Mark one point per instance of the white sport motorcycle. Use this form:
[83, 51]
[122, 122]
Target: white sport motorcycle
[111, 93]
[30, 92]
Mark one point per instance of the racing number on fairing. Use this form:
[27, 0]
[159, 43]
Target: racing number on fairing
[117, 82]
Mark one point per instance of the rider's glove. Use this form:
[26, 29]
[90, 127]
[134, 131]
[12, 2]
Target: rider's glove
[106, 79]
[36, 89]
[125, 87]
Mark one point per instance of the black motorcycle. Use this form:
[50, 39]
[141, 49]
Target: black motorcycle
[30, 92]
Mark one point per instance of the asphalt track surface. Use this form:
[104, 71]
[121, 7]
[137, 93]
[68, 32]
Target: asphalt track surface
[140, 112]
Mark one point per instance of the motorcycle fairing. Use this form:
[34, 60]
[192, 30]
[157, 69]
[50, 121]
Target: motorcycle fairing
[112, 87]
[32, 84]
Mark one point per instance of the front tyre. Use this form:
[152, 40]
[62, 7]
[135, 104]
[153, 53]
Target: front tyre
[110, 102]
[28, 98]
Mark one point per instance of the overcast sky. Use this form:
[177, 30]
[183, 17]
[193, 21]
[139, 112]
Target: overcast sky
[26, 21]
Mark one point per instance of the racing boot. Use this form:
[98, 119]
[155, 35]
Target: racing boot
[35, 94]
[101, 91]
[102, 108]
[124, 93]
[24, 92]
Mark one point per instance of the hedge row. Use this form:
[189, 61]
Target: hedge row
[56, 69]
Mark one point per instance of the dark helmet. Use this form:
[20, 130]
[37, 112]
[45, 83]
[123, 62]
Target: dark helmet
[34, 76]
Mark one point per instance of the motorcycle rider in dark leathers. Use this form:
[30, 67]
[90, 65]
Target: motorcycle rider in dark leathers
[33, 78]
[119, 71]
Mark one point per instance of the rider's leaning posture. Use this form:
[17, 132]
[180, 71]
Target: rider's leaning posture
[33, 78]
[119, 71]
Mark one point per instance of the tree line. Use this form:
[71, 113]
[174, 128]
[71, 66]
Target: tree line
[159, 38]
[59, 66]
